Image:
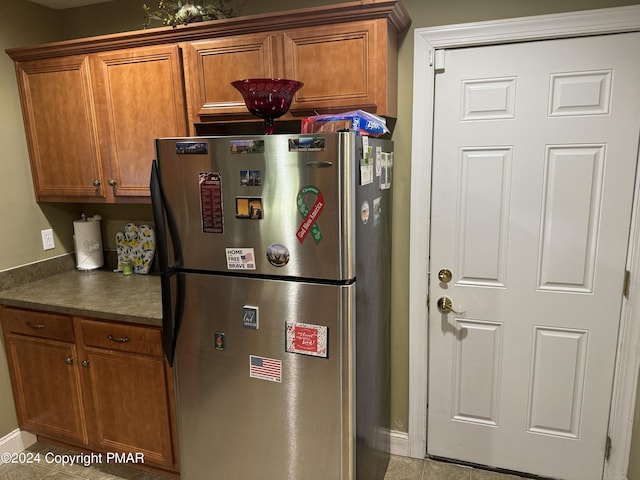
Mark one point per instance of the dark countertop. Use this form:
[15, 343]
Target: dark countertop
[97, 293]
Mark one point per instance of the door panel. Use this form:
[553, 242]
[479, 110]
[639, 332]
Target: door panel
[131, 411]
[352, 53]
[47, 387]
[129, 120]
[291, 416]
[211, 65]
[284, 173]
[535, 149]
[60, 125]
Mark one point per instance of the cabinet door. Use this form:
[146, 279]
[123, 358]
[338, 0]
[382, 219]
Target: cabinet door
[46, 387]
[343, 67]
[58, 113]
[211, 66]
[139, 97]
[130, 403]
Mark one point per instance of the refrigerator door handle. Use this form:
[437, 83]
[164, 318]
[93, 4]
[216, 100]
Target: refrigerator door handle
[163, 218]
[165, 222]
[171, 319]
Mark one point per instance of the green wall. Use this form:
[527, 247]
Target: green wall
[124, 15]
[21, 219]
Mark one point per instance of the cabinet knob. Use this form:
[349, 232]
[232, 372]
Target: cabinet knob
[96, 183]
[112, 183]
[85, 363]
[68, 360]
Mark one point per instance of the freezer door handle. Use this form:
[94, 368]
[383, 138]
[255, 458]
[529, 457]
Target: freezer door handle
[165, 223]
[166, 228]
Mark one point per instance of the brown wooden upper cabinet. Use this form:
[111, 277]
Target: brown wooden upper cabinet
[139, 97]
[90, 120]
[211, 66]
[93, 106]
[59, 117]
[344, 67]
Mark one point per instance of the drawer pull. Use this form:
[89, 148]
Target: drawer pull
[35, 325]
[118, 340]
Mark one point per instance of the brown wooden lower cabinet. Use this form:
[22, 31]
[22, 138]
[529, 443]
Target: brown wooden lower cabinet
[99, 385]
[46, 387]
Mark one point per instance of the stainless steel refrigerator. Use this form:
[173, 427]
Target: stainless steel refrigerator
[276, 264]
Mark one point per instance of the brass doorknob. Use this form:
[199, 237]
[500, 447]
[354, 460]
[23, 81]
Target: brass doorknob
[445, 275]
[445, 305]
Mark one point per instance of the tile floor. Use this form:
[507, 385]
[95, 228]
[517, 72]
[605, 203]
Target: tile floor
[400, 468]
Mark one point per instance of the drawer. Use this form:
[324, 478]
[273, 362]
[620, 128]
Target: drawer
[37, 324]
[123, 337]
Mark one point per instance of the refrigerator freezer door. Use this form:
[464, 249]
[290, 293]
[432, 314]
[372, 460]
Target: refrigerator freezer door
[278, 205]
[265, 380]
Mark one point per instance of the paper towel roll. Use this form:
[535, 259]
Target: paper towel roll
[88, 241]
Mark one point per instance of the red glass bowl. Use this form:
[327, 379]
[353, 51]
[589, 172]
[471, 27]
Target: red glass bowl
[267, 98]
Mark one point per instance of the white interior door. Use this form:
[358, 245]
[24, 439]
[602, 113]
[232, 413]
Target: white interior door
[534, 161]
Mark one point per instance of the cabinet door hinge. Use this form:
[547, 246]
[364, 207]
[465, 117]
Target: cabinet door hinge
[625, 285]
[607, 449]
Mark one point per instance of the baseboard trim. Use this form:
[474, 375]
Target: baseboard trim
[16, 442]
[398, 443]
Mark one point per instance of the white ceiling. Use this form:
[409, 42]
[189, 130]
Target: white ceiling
[61, 4]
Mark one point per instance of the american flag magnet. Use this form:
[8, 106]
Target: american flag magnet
[240, 259]
[265, 368]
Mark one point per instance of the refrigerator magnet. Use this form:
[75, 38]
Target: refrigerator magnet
[307, 339]
[366, 163]
[385, 171]
[192, 148]
[220, 342]
[364, 212]
[246, 146]
[264, 368]
[310, 214]
[250, 178]
[211, 202]
[379, 161]
[249, 207]
[278, 255]
[307, 144]
[240, 259]
[250, 317]
[377, 210]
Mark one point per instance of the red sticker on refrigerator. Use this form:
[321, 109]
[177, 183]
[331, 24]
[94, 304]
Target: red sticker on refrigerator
[211, 202]
[307, 339]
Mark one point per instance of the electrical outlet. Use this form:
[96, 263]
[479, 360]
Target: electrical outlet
[47, 239]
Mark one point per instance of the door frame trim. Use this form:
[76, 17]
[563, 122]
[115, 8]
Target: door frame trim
[427, 42]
